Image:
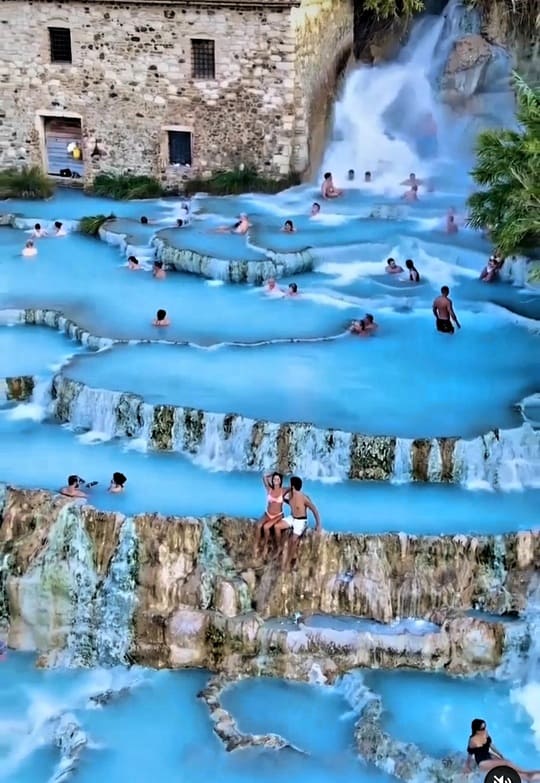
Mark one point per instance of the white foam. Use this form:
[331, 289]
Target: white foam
[93, 437]
[528, 697]
[215, 283]
[27, 411]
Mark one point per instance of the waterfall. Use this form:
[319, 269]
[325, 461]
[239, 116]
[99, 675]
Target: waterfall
[215, 563]
[402, 469]
[508, 459]
[116, 600]
[5, 563]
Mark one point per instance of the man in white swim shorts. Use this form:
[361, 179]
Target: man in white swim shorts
[297, 522]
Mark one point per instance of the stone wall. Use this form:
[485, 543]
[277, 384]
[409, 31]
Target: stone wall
[323, 33]
[130, 80]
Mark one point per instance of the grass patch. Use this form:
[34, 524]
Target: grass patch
[232, 183]
[90, 224]
[25, 183]
[125, 187]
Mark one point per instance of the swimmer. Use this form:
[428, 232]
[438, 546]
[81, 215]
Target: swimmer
[451, 225]
[38, 232]
[144, 220]
[392, 268]
[370, 326]
[412, 180]
[350, 175]
[133, 264]
[490, 272]
[161, 319]
[411, 195]
[288, 227]
[273, 484]
[117, 483]
[292, 290]
[240, 227]
[29, 249]
[59, 230]
[487, 757]
[414, 274]
[272, 287]
[328, 189]
[315, 209]
[367, 176]
[73, 490]
[443, 310]
[157, 270]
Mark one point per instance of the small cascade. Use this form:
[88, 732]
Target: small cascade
[5, 562]
[402, 469]
[95, 410]
[216, 567]
[435, 463]
[319, 454]
[354, 690]
[116, 601]
[508, 459]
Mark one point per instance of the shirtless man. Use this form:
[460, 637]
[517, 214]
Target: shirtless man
[392, 268]
[72, 490]
[443, 310]
[161, 319]
[451, 225]
[38, 232]
[412, 180]
[298, 521]
[315, 209]
[411, 195]
[157, 270]
[328, 189]
[240, 227]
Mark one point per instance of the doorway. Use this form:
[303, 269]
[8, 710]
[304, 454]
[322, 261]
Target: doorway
[62, 136]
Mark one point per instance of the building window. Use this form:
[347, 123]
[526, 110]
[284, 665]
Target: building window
[179, 148]
[60, 38]
[203, 59]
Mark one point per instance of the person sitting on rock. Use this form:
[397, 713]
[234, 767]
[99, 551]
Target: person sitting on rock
[297, 522]
[117, 484]
[328, 189]
[487, 757]
[29, 249]
[161, 319]
[273, 484]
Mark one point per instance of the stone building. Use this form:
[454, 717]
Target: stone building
[168, 88]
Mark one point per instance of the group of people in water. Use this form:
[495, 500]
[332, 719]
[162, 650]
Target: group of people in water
[286, 530]
[30, 249]
[76, 486]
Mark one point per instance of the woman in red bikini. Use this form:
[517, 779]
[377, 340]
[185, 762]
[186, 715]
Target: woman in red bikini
[273, 484]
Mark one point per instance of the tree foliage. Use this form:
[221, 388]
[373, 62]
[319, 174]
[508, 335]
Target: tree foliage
[387, 8]
[126, 186]
[508, 172]
[90, 224]
[240, 180]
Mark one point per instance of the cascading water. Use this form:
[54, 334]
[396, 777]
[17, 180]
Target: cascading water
[391, 120]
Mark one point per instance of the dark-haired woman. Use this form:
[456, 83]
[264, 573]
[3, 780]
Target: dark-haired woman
[481, 748]
[273, 484]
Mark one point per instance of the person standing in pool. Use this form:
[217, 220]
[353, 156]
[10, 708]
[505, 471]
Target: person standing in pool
[29, 249]
[117, 484]
[273, 484]
[133, 264]
[157, 270]
[297, 522]
[392, 268]
[443, 310]
[161, 319]
[315, 209]
[487, 757]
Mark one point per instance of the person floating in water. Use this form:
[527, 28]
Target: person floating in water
[288, 227]
[240, 227]
[133, 264]
[29, 250]
[157, 270]
[328, 189]
[411, 195]
[296, 523]
[293, 290]
[351, 175]
[273, 484]
[315, 209]
[414, 274]
[443, 310]
[59, 230]
[481, 748]
[161, 319]
[392, 268]
[367, 176]
[117, 484]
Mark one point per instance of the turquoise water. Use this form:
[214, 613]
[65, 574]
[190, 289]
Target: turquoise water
[171, 484]
[389, 385]
[30, 350]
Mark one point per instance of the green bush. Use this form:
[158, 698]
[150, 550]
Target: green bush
[91, 224]
[387, 8]
[232, 183]
[27, 183]
[507, 170]
[124, 187]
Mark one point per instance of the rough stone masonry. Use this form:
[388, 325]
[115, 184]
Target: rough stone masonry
[131, 81]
